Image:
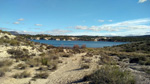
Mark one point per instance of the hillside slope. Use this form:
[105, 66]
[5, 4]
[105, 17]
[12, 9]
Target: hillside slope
[26, 62]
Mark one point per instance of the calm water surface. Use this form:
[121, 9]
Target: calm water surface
[90, 44]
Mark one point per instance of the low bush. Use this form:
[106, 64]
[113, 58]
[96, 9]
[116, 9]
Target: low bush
[2, 40]
[43, 54]
[33, 62]
[65, 55]
[85, 66]
[76, 47]
[42, 68]
[83, 46]
[21, 54]
[59, 49]
[146, 70]
[52, 66]
[2, 73]
[3, 70]
[14, 42]
[15, 52]
[142, 60]
[42, 75]
[5, 63]
[86, 60]
[24, 74]
[21, 66]
[49, 60]
[6, 40]
[44, 61]
[4, 66]
[105, 59]
[50, 46]
[110, 75]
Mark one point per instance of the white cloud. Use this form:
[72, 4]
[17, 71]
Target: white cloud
[110, 20]
[58, 32]
[103, 28]
[135, 22]
[94, 28]
[38, 25]
[21, 19]
[28, 32]
[131, 24]
[90, 33]
[140, 27]
[100, 20]
[51, 32]
[124, 28]
[148, 32]
[81, 27]
[142, 1]
[129, 27]
[16, 23]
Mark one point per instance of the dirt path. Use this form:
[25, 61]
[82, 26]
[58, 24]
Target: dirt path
[69, 72]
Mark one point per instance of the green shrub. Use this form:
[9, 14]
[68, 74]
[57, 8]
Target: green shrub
[50, 62]
[44, 61]
[19, 54]
[4, 41]
[142, 60]
[14, 42]
[110, 75]
[15, 52]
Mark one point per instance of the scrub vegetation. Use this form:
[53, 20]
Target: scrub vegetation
[108, 65]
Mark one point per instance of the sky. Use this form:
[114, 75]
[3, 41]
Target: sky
[76, 17]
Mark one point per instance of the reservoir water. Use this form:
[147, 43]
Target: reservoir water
[90, 44]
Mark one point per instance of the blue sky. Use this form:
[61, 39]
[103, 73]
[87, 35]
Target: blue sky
[76, 17]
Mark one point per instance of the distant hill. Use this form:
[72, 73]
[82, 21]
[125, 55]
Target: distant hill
[13, 32]
[146, 36]
[139, 36]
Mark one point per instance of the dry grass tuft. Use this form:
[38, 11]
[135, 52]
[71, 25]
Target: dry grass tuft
[42, 75]
[21, 66]
[24, 74]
